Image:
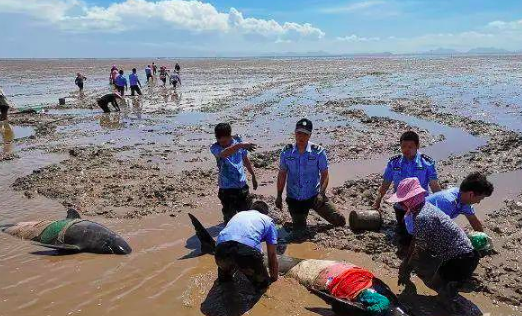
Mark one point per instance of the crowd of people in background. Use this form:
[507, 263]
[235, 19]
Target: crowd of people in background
[119, 82]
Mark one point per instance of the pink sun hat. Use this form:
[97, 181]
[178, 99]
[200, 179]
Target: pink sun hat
[407, 188]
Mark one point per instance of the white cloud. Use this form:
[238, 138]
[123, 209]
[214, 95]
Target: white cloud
[501, 25]
[190, 15]
[357, 6]
[355, 38]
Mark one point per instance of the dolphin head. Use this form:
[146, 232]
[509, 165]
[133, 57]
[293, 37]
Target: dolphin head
[119, 246]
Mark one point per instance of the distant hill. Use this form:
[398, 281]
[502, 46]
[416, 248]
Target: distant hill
[442, 51]
[488, 50]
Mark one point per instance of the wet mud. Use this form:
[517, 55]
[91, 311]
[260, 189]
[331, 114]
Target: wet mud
[140, 171]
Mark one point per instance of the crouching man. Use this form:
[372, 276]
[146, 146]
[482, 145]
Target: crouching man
[438, 242]
[239, 247]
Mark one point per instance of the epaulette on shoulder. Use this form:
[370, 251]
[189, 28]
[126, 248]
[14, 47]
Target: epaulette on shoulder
[395, 157]
[427, 158]
[316, 148]
[288, 147]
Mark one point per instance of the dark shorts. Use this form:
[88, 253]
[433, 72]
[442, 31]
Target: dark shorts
[232, 256]
[174, 83]
[164, 80]
[460, 268]
[234, 201]
[149, 76]
[121, 90]
[80, 85]
[136, 89]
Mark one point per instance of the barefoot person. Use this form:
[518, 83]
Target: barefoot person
[4, 106]
[111, 98]
[231, 155]
[148, 74]
[239, 247]
[79, 81]
[175, 80]
[134, 82]
[411, 163]
[121, 83]
[440, 252]
[457, 201]
[303, 168]
[163, 75]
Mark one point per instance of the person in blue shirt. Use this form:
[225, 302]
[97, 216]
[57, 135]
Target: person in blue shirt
[303, 168]
[134, 82]
[239, 247]
[231, 155]
[411, 163]
[456, 201]
[121, 83]
[148, 73]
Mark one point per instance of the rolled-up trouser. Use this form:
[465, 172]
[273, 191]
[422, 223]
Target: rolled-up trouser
[232, 256]
[299, 210]
[460, 268]
[234, 201]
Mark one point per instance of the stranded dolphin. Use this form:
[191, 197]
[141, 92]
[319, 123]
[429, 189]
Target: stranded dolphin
[71, 234]
[315, 276]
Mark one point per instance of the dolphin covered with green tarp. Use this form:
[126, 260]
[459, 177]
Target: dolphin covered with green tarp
[72, 234]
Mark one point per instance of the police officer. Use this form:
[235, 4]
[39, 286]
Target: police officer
[231, 158]
[304, 169]
[411, 163]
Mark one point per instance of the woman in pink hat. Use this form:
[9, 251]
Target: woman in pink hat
[437, 237]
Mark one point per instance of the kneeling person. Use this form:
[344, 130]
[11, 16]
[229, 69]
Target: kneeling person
[437, 239]
[239, 247]
[111, 98]
[303, 168]
[456, 201]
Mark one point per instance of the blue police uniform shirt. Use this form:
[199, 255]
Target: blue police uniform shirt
[121, 81]
[303, 170]
[448, 201]
[148, 71]
[133, 79]
[231, 171]
[250, 228]
[421, 166]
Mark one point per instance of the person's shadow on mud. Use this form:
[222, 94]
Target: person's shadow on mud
[231, 298]
[430, 306]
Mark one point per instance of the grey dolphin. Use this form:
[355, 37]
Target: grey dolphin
[305, 270]
[71, 234]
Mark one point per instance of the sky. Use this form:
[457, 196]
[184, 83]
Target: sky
[182, 28]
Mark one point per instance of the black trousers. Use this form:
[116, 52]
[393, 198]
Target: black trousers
[232, 256]
[136, 89]
[299, 210]
[234, 201]
[460, 268]
[121, 90]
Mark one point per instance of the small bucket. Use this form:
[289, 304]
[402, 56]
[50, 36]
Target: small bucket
[365, 220]
[61, 101]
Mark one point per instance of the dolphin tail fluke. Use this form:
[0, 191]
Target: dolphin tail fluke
[63, 247]
[208, 245]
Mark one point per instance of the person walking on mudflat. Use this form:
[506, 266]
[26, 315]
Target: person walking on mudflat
[4, 106]
[303, 168]
[411, 163]
[231, 155]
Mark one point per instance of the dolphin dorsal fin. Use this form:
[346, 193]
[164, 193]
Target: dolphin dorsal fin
[72, 214]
